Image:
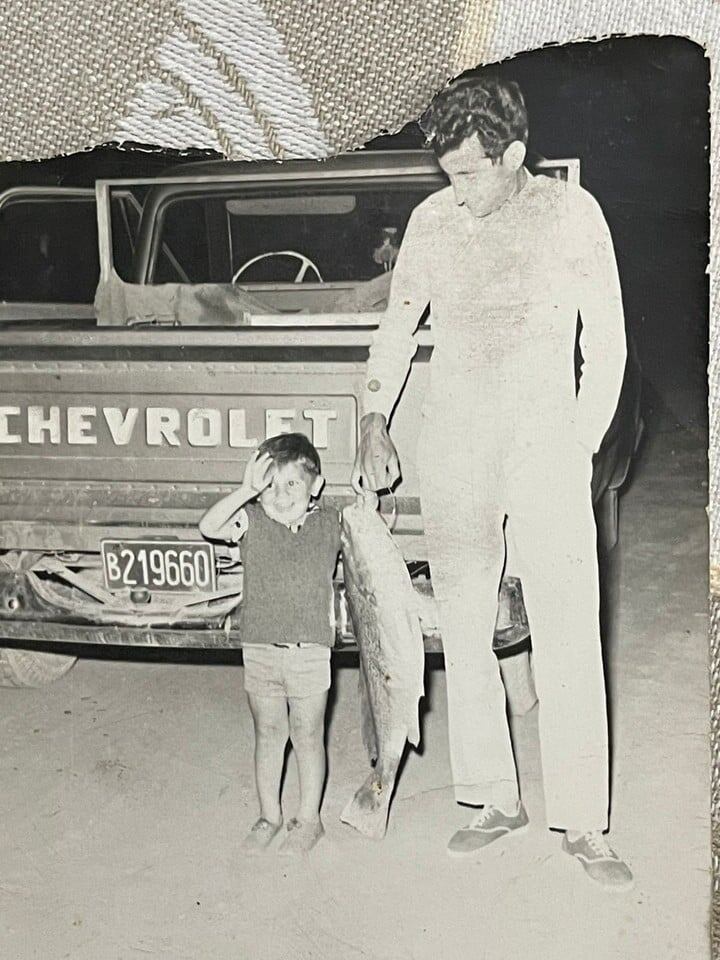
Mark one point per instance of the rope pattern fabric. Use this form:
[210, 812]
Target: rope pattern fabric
[370, 67]
[68, 73]
[225, 66]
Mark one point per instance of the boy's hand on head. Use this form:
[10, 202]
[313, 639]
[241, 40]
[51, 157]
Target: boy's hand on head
[258, 472]
[220, 522]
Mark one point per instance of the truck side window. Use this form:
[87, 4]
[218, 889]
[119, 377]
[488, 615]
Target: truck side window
[48, 250]
[49, 245]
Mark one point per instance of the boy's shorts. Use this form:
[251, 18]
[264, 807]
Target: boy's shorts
[272, 671]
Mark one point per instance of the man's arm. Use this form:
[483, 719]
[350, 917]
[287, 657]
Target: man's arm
[602, 338]
[394, 343]
[376, 465]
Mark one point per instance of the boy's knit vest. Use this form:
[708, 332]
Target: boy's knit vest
[287, 578]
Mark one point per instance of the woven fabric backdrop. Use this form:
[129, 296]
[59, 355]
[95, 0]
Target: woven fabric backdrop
[289, 78]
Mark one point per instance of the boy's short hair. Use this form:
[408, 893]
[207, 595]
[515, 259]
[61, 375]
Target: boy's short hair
[482, 105]
[292, 448]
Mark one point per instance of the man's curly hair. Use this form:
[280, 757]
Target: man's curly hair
[485, 105]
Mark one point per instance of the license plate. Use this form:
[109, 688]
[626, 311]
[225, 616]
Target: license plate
[175, 566]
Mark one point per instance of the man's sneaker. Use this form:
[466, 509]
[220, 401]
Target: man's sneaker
[489, 825]
[599, 861]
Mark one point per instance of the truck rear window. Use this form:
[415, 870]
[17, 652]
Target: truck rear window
[314, 236]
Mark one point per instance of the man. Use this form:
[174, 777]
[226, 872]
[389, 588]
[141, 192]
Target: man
[506, 261]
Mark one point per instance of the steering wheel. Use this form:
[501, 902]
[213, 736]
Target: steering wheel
[305, 264]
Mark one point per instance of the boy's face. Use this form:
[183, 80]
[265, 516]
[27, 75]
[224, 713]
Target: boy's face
[288, 495]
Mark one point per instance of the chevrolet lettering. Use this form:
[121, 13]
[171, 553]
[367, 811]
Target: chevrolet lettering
[198, 427]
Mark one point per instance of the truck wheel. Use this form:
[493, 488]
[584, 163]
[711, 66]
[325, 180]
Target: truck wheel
[26, 668]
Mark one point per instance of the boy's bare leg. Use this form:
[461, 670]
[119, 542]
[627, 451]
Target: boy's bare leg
[270, 717]
[307, 733]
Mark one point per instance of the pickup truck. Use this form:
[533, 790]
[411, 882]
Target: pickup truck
[233, 301]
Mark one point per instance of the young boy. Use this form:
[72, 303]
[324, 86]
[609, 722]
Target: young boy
[289, 546]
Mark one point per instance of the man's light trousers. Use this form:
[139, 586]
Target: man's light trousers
[472, 477]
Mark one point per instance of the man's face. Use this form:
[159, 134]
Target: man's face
[288, 495]
[479, 184]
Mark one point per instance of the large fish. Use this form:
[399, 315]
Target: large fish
[385, 615]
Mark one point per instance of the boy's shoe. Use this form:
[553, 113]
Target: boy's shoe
[261, 835]
[489, 825]
[599, 861]
[301, 837]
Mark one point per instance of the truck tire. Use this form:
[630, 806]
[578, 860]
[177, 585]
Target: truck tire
[27, 668]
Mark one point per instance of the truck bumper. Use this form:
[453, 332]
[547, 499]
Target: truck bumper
[33, 620]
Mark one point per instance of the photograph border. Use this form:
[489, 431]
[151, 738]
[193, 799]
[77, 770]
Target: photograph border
[285, 101]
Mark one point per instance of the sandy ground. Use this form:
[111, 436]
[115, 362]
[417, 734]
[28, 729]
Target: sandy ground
[128, 789]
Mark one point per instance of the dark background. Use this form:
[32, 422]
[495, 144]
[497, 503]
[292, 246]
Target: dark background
[635, 111]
